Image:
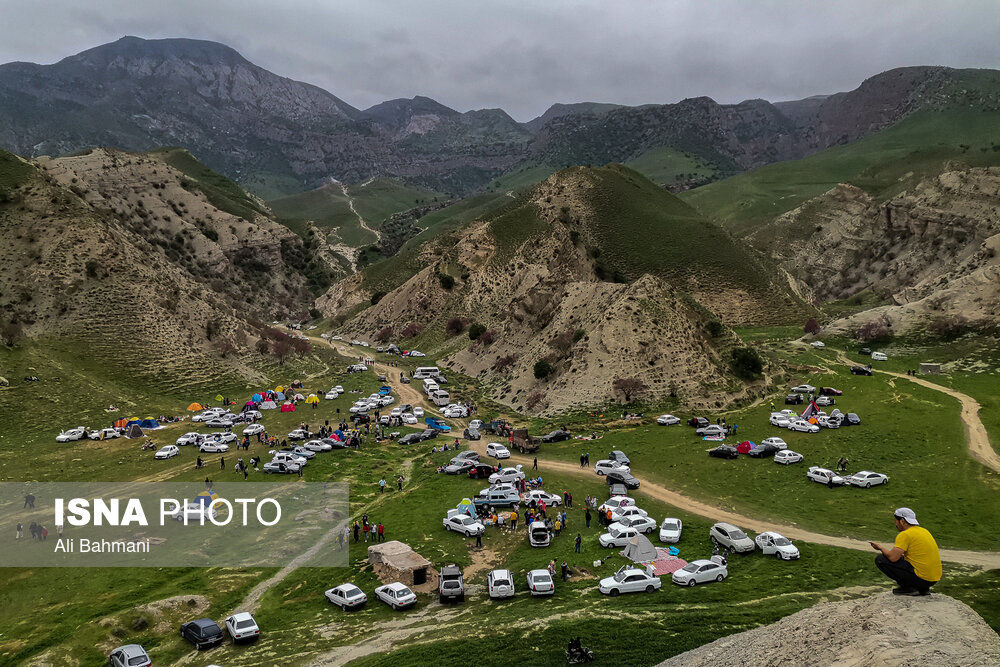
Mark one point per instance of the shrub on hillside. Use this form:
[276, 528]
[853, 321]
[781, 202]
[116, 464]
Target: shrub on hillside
[383, 334]
[487, 337]
[11, 333]
[476, 330]
[503, 363]
[747, 363]
[812, 326]
[629, 388]
[281, 350]
[533, 400]
[262, 346]
[563, 342]
[301, 347]
[446, 281]
[376, 297]
[873, 331]
[543, 369]
[715, 328]
[950, 326]
[455, 326]
[411, 330]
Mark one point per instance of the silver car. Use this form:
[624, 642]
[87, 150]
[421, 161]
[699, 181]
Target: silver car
[700, 572]
[728, 535]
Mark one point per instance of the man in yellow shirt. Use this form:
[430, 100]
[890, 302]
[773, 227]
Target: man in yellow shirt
[913, 561]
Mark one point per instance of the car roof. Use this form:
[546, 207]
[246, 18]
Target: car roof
[242, 616]
[396, 586]
[345, 587]
[501, 573]
[727, 526]
[132, 650]
[451, 569]
[703, 561]
[539, 573]
[204, 622]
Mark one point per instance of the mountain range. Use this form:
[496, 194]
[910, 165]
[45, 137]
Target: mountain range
[276, 136]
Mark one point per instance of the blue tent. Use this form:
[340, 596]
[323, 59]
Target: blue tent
[339, 434]
[149, 423]
[257, 398]
[279, 396]
[134, 421]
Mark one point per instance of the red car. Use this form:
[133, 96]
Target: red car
[830, 391]
[481, 471]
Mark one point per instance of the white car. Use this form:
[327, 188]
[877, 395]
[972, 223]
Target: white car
[417, 353]
[780, 420]
[410, 420]
[194, 513]
[604, 466]
[167, 452]
[219, 422]
[818, 344]
[465, 524]
[305, 452]
[643, 524]
[787, 457]
[253, 429]
[617, 536]
[78, 433]
[330, 395]
[281, 467]
[242, 627]
[104, 434]
[288, 457]
[337, 337]
[476, 424]
[507, 475]
[804, 389]
[670, 530]
[251, 414]
[867, 479]
[191, 438]
[396, 412]
[629, 580]
[824, 476]
[700, 572]
[455, 411]
[829, 422]
[775, 442]
[299, 434]
[500, 584]
[396, 595]
[776, 544]
[317, 446]
[540, 583]
[539, 496]
[418, 412]
[880, 356]
[629, 511]
[615, 503]
[228, 436]
[346, 596]
[339, 389]
[667, 420]
[497, 451]
[211, 413]
[803, 426]
[213, 447]
[728, 535]
[361, 407]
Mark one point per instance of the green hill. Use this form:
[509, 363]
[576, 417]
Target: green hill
[883, 164]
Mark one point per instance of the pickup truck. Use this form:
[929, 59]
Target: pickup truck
[525, 443]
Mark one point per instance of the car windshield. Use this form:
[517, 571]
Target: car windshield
[781, 542]
[738, 535]
[138, 660]
[501, 582]
[669, 524]
[692, 567]
[248, 623]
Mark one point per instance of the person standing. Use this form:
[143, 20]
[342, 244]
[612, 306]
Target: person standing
[534, 465]
[20, 530]
[479, 539]
[578, 541]
[913, 561]
[513, 520]
[357, 532]
[381, 485]
[587, 517]
[399, 483]
[381, 532]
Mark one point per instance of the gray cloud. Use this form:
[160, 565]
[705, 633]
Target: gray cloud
[523, 55]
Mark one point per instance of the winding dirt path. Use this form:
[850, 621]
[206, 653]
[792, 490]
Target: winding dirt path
[350, 203]
[975, 432]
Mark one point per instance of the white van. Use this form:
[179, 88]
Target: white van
[425, 372]
[879, 356]
[430, 386]
[440, 397]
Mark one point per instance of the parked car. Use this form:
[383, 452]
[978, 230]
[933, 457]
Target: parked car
[481, 471]
[410, 439]
[540, 583]
[826, 421]
[787, 457]
[130, 655]
[451, 586]
[472, 434]
[700, 572]
[780, 420]
[627, 511]
[824, 476]
[206, 415]
[698, 422]
[468, 455]
[191, 438]
[219, 422]
[614, 503]
[852, 419]
[167, 452]
[824, 401]
[458, 466]
[776, 441]
[763, 449]
[465, 524]
[203, 633]
[289, 456]
[880, 356]
[776, 544]
[418, 412]
[860, 370]
[830, 391]
[556, 436]
[711, 429]
[346, 596]
[213, 447]
[642, 524]
[618, 456]
[253, 429]
[629, 579]
[396, 595]
[724, 452]
[538, 534]
[867, 351]
[866, 479]
[78, 433]
[410, 419]
[306, 452]
[104, 434]
[604, 466]
[322, 445]
[497, 451]
[794, 399]
[539, 496]
[507, 475]
[667, 420]
[804, 389]
[727, 535]
[299, 434]
[194, 513]
[623, 477]
[818, 344]
[803, 426]
[670, 530]
[282, 467]
[436, 424]
[242, 627]
[617, 536]
[500, 584]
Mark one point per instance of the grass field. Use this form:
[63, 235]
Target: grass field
[667, 166]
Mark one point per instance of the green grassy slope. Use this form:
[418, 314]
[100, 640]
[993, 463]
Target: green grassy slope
[667, 166]
[223, 193]
[13, 171]
[883, 163]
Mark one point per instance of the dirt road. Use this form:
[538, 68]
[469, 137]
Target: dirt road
[975, 433]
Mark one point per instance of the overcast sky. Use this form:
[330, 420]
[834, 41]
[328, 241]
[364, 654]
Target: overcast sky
[523, 56]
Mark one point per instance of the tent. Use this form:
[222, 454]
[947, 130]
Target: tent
[256, 398]
[134, 431]
[279, 396]
[744, 447]
[640, 550]
[121, 423]
[466, 507]
[149, 422]
[279, 389]
[287, 407]
[299, 397]
[195, 407]
[810, 410]
[206, 497]
[268, 405]
[313, 398]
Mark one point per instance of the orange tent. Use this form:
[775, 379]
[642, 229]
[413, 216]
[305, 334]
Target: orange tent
[195, 407]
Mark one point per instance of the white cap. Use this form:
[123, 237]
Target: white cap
[907, 515]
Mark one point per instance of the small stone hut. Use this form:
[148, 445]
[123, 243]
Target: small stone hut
[927, 368]
[395, 561]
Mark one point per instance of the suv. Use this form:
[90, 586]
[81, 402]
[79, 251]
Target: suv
[450, 584]
[203, 633]
[728, 535]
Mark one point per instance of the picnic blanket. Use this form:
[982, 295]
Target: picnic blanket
[665, 563]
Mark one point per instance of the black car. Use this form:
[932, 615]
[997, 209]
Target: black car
[724, 452]
[405, 407]
[852, 419]
[203, 633]
[411, 439]
[698, 422]
[556, 436]
[334, 443]
[623, 478]
[481, 471]
[472, 434]
[860, 370]
[794, 399]
[428, 434]
[867, 351]
[762, 450]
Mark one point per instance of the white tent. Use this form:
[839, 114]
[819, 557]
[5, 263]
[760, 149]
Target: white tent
[640, 550]
[268, 405]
